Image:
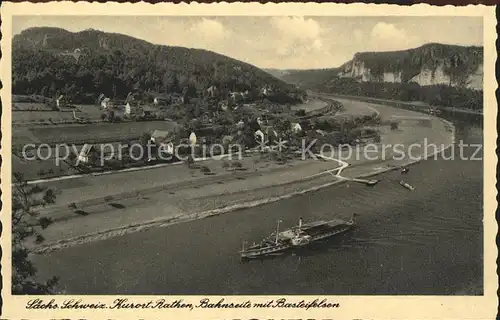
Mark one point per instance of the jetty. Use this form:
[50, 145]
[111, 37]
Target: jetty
[367, 182]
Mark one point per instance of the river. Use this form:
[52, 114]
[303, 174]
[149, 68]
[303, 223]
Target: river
[425, 242]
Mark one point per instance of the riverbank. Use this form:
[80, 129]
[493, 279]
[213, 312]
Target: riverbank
[145, 207]
[412, 105]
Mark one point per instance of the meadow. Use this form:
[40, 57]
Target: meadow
[40, 114]
[88, 133]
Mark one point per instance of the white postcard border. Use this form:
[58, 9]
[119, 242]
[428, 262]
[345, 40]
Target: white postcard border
[351, 307]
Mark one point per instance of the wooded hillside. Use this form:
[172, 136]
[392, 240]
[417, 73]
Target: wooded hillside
[82, 65]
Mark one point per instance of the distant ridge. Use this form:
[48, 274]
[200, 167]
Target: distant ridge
[430, 64]
[438, 74]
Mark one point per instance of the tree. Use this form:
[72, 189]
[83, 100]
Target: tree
[44, 91]
[246, 137]
[284, 127]
[171, 82]
[145, 138]
[23, 213]
[121, 63]
[190, 162]
[110, 115]
[300, 113]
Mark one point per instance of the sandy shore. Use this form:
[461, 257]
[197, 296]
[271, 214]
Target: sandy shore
[156, 197]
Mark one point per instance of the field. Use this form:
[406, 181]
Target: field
[30, 106]
[40, 169]
[90, 111]
[60, 127]
[46, 116]
[310, 106]
[91, 133]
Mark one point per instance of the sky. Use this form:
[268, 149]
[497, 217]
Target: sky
[280, 42]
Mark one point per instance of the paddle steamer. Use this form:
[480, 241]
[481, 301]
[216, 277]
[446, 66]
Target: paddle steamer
[301, 235]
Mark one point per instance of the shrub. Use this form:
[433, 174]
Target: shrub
[36, 189]
[45, 222]
[190, 161]
[300, 113]
[237, 164]
[394, 125]
[39, 238]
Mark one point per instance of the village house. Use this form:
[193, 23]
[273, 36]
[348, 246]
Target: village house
[260, 122]
[259, 137]
[188, 93]
[117, 109]
[164, 141]
[88, 154]
[321, 132]
[212, 91]
[61, 102]
[237, 97]
[207, 119]
[106, 103]
[240, 124]
[265, 135]
[147, 112]
[224, 105]
[167, 99]
[296, 127]
[193, 139]
[178, 99]
[266, 90]
[75, 53]
[159, 136]
[129, 110]
[162, 100]
[227, 139]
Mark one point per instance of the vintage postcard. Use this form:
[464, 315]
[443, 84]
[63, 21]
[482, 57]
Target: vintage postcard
[248, 161]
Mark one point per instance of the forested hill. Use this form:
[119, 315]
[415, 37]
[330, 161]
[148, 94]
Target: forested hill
[82, 65]
[307, 78]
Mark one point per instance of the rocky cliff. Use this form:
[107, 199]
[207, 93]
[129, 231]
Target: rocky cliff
[437, 74]
[427, 65]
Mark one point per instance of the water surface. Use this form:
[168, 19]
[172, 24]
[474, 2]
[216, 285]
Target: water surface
[429, 241]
